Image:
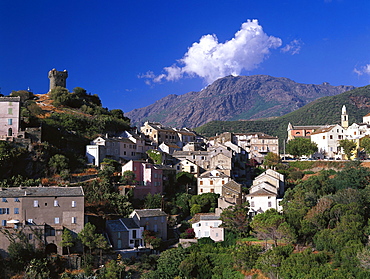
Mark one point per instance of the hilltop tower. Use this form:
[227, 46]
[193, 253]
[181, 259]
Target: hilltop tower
[344, 117]
[57, 78]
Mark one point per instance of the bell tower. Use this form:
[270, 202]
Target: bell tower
[344, 117]
[57, 78]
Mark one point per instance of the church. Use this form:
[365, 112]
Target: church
[327, 137]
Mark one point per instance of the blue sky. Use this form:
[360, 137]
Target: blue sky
[132, 53]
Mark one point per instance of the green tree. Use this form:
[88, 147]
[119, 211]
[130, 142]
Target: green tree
[348, 147]
[114, 270]
[67, 240]
[169, 262]
[301, 146]
[271, 159]
[102, 244]
[128, 178]
[365, 144]
[236, 219]
[153, 201]
[246, 255]
[37, 269]
[87, 236]
[58, 162]
[271, 224]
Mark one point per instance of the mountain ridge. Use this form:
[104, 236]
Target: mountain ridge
[234, 98]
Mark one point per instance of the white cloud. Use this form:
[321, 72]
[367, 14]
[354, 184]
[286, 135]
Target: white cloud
[294, 47]
[211, 60]
[364, 70]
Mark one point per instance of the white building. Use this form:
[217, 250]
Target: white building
[208, 225]
[266, 192]
[212, 182]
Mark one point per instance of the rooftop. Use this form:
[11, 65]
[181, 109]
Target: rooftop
[149, 212]
[41, 191]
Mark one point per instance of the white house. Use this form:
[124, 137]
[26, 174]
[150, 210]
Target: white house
[266, 192]
[208, 225]
[212, 182]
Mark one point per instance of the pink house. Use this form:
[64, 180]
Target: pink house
[148, 176]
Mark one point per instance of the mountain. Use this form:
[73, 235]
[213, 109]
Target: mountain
[234, 98]
[323, 111]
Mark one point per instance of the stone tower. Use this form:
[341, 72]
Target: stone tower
[57, 78]
[344, 117]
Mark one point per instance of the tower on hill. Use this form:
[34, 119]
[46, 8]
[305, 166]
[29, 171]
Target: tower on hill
[57, 78]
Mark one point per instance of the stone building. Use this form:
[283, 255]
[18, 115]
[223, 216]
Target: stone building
[57, 78]
[41, 213]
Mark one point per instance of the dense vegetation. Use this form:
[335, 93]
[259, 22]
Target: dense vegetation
[68, 125]
[323, 232]
[326, 110]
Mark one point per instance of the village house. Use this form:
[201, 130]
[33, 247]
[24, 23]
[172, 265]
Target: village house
[44, 211]
[187, 166]
[149, 178]
[151, 220]
[266, 192]
[207, 225]
[121, 149]
[157, 133]
[257, 144]
[9, 117]
[212, 182]
[124, 233]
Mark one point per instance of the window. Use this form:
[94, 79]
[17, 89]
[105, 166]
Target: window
[3, 222]
[30, 236]
[134, 234]
[211, 182]
[212, 190]
[73, 203]
[323, 137]
[118, 234]
[16, 210]
[223, 182]
[201, 182]
[3, 200]
[252, 203]
[56, 220]
[201, 190]
[56, 203]
[269, 204]
[10, 121]
[74, 220]
[119, 244]
[331, 136]
[16, 199]
[10, 111]
[35, 203]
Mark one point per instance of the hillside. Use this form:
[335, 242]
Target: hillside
[234, 98]
[326, 110]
